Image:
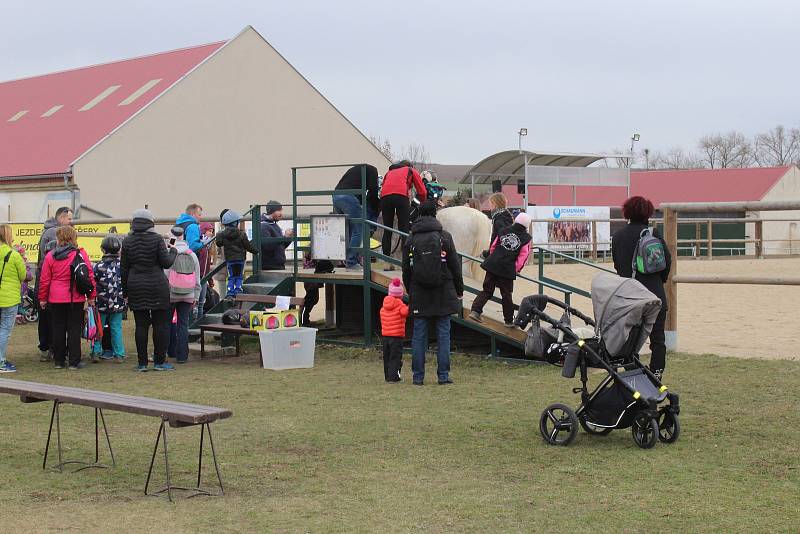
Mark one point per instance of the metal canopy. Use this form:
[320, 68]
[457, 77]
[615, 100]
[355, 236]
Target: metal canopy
[510, 164]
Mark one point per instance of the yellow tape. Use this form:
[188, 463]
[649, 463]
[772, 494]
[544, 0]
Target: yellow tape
[663, 389]
[581, 343]
[636, 395]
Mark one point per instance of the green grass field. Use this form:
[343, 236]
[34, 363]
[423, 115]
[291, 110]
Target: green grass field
[335, 449]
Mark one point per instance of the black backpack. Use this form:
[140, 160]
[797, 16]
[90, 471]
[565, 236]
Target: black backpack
[426, 258]
[79, 276]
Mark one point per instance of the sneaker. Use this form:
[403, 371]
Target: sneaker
[77, 366]
[445, 382]
[94, 358]
[509, 325]
[140, 368]
[475, 316]
[8, 367]
[119, 359]
[163, 367]
[58, 365]
[395, 381]
[420, 383]
[181, 361]
[45, 355]
[107, 355]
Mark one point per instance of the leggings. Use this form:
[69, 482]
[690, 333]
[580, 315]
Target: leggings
[392, 205]
[160, 321]
[658, 347]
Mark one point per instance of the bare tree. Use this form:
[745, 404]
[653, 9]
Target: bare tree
[383, 145]
[777, 147]
[726, 150]
[416, 154]
[675, 158]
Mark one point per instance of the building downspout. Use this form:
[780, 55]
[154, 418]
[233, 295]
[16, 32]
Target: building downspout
[71, 191]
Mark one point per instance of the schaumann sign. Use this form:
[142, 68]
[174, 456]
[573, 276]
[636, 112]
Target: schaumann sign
[567, 228]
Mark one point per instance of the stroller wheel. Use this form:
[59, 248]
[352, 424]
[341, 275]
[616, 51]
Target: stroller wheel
[645, 431]
[558, 424]
[592, 429]
[31, 315]
[669, 427]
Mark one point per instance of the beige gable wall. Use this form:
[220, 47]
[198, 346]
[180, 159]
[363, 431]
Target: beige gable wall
[788, 233]
[225, 137]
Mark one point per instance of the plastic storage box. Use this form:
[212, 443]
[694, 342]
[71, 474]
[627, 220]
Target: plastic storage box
[288, 348]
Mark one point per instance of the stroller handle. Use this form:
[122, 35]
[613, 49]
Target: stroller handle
[540, 302]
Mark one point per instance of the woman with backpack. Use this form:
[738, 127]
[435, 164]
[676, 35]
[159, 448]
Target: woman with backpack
[144, 258]
[184, 293]
[13, 275]
[625, 245]
[66, 283]
[395, 201]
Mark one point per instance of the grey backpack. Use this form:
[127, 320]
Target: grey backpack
[650, 257]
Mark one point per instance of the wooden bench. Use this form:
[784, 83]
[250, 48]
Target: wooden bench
[176, 414]
[239, 331]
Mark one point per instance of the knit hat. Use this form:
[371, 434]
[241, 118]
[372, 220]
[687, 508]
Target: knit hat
[205, 227]
[144, 214]
[523, 219]
[111, 244]
[427, 209]
[230, 218]
[273, 206]
[396, 288]
[176, 231]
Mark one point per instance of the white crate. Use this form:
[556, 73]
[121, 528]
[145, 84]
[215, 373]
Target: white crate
[288, 348]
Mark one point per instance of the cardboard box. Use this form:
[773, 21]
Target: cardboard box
[288, 348]
[277, 319]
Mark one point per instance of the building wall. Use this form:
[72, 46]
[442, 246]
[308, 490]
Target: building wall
[226, 137]
[788, 233]
[32, 205]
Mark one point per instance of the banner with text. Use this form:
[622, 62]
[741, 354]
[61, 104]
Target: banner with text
[28, 236]
[568, 228]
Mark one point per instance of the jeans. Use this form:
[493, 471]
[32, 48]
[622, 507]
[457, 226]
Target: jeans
[235, 275]
[66, 322]
[8, 318]
[160, 320]
[179, 332]
[114, 322]
[350, 206]
[419, 344]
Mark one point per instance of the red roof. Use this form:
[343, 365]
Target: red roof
[47, 122]
[694, 185]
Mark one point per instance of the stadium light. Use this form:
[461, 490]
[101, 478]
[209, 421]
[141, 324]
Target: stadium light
[522, 133]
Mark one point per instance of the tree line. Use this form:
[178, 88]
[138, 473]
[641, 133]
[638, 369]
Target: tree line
[777, 147]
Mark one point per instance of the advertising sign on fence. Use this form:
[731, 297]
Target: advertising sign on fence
[28, 236]
[569, 228]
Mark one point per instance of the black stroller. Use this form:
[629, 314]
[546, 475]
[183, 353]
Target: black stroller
[630, 395]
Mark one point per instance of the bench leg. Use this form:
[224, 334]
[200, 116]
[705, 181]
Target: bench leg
[98, 417]
[202, 344]
[205, 427]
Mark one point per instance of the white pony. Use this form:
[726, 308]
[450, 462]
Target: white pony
[471, 231]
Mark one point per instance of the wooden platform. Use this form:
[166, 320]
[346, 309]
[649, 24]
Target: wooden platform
[492, 313]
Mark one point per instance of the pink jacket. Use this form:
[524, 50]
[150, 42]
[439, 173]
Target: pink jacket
[54, 281]
[524, 252]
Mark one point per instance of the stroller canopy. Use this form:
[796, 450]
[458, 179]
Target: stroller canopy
[620, 305]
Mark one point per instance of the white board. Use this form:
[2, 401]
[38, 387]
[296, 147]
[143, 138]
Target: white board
[329, 237]
[567, 227]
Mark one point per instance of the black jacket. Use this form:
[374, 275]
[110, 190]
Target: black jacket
[352, 180]
[623, 247]
[501, 219]
[441, 301]
[502, 262]
[235, 243]
[273, 255]
[143, 260]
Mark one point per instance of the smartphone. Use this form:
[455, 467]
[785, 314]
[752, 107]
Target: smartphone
[172, 242]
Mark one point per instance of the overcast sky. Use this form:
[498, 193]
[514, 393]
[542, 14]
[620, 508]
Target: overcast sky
[462, 76]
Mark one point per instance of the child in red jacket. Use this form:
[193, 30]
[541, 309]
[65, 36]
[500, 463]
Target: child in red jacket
[393, 329]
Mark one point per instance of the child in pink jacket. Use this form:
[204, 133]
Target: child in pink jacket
[507, 256]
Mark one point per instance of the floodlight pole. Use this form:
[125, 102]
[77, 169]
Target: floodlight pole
[525, 196]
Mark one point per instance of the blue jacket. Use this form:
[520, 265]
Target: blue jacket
[191, 231]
